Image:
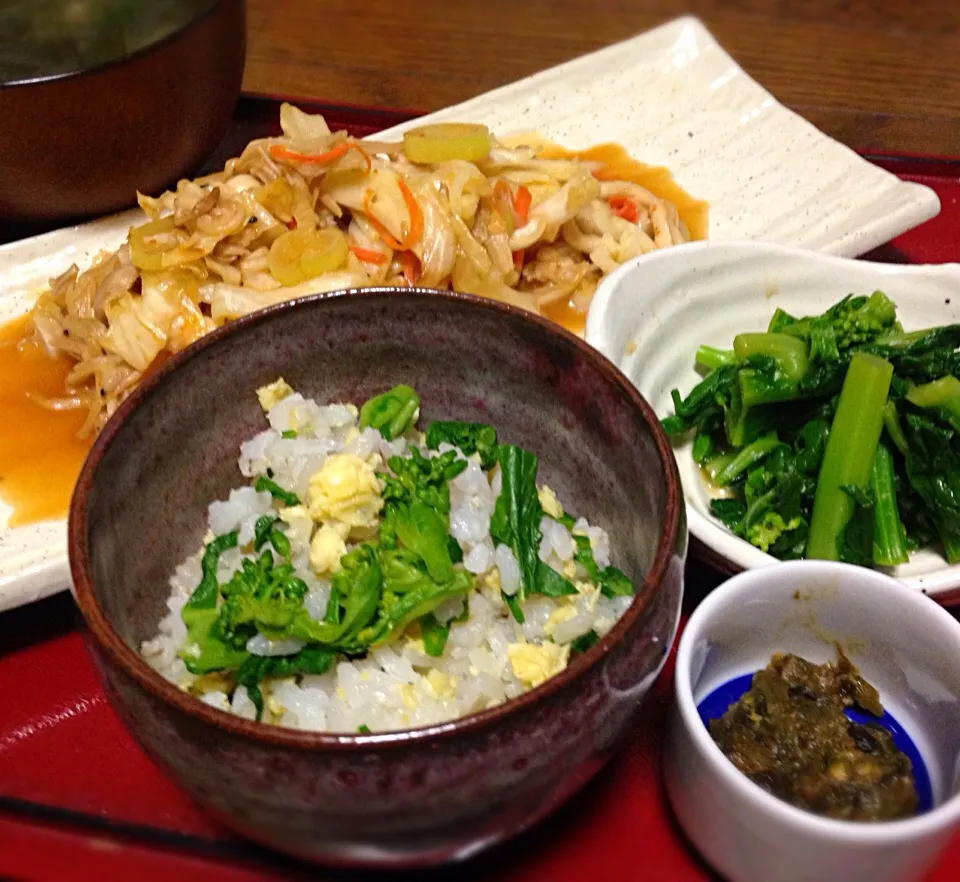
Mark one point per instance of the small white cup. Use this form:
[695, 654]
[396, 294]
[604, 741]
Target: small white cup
[904, 644]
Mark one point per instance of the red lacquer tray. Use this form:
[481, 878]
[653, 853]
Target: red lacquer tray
[79, 800]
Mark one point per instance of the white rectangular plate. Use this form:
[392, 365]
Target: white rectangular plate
[672, 97]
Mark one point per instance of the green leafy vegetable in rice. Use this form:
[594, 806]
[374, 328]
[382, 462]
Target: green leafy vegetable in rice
[371, 577]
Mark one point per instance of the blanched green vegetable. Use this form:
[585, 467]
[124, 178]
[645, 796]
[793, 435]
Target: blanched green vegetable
[889, 537]
[200, 615]
[275, 490]
[851, 321]
[260, 597]
[309, 660]
[417, 599]
[746, 458]
[391, 413]
[417, 478]
[205, 595]
[266, 530]
[359, 586]
[407, 568]
[850, 450]
[788, 352]
[550, 583]
[469, 437]
[516, 524]
[942, 395]
[516, 515]
[768, 409]
[434, 635]
[582, 644]
[423, 531]
[612, 582]
[933, 469]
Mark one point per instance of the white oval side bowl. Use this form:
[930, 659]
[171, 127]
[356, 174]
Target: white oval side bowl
[651, 314]
[905, 644]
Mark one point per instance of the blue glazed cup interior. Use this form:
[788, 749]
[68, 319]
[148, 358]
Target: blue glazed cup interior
[903, 644]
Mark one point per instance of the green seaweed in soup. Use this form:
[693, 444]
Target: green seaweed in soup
[44, 38]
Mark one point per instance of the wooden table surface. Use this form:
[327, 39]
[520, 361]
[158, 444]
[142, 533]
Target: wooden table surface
[879, 75]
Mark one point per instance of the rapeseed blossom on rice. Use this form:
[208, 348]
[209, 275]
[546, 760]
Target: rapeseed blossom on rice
[372, 577]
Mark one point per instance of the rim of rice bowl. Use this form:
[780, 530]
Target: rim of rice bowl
[149, 678]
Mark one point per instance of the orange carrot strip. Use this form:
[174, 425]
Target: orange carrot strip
[416, 219]
[367, 255]
[411, 267]
[518, 260]
[384, 233]
[521, 205]
[416, 216]
[624, 207]
[278, 151]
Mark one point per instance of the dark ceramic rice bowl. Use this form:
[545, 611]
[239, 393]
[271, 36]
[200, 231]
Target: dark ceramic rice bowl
[422, 796]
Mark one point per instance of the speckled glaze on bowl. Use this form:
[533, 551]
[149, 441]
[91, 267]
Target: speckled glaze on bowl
[402, 799]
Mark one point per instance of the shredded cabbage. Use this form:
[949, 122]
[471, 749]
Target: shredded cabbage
[509, 225]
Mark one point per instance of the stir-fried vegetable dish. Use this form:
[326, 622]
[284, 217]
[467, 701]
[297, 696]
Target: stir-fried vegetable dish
[832, 436]
[312, 210]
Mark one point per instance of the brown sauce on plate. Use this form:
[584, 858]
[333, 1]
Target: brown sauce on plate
[788, 733]
[40, 453]
[618, 165]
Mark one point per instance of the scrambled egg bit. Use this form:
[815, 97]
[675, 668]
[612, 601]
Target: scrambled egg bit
[549, 503]
[346, 490]
[534, 664]
[408, 695]
[273, 393]
[590, 594]
[560, 614]
[441, 685]
[326, 549]
[489, 584]
[415, 644]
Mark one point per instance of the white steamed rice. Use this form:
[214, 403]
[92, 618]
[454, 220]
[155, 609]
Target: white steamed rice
[488, 659]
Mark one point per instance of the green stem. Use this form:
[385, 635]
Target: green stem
[942, 395]
[746, 458]
[905, 339]
[788, 352]
[712, 358]
[891, 422]
[951, 544]
[716, 464]
[889, 537]
[851, 447]
[702, 448]
[735, 417]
